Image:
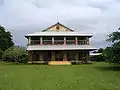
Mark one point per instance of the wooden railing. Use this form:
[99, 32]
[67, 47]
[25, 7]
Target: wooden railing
[47, 42]
[35, 42]
[83, 42]
[56, 42]
[70, 41]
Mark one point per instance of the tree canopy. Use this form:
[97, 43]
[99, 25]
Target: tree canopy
[5, 39]
[112, 53]
[100, 50]
[115, 36]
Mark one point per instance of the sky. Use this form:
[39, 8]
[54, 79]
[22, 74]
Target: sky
[97, 17]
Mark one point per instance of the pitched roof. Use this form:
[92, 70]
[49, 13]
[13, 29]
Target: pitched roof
[59, 34]
[57, 24]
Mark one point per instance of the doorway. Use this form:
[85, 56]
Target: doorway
[47, 56]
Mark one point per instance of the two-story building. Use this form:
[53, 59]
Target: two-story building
[58, 43]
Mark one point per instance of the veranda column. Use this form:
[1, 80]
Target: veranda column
[76, 40]
[64, 40]
[77, 56]
[29, 40]
[41, 56]
[52, 55]
[65, 57]
[86, 53]
[41, 41]
[32, 56]
[87, 38]
[53, 40]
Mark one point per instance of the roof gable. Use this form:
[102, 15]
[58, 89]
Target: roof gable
[57, 28]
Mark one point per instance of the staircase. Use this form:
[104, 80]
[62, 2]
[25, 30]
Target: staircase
[59, 63]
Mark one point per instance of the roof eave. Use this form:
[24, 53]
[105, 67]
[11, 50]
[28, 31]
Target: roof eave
[57, 35]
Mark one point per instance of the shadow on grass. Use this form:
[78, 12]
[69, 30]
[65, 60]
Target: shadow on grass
[108, 68]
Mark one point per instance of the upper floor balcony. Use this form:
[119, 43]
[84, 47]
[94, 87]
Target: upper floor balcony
[58, 41]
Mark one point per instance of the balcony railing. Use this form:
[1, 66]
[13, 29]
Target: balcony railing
[47, 42]
[35, 42]
[56, 42]
[83, 42]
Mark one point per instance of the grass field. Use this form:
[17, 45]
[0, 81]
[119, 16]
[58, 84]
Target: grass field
[96, 76]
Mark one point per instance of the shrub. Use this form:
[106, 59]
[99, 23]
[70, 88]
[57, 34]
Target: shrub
[15, 54]
[1, 53]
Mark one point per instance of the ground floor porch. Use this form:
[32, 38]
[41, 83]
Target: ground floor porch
[60, 56]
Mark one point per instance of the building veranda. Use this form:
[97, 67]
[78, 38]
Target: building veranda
[58, 43]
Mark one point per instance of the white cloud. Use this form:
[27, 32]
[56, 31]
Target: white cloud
[99, 17]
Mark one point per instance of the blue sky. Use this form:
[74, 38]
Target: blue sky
[99, 17]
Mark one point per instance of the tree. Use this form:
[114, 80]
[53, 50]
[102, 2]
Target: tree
[112, 53]
[5, 39]
[95, 51]
[15, 54]
[100, 50]
[98, 58]
[1, 53]
[115, 36]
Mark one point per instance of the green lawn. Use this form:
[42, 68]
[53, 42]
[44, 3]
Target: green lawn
[96, 76]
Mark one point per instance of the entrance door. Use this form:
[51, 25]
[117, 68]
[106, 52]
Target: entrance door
[47, 56]
[58, 55]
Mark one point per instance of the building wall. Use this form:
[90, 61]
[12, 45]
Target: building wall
[57, 55]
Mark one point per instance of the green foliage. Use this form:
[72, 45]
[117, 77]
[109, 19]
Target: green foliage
[98, 58]
[94, 51]
[100, 50]
[5, 39]
[1, 53]
[15, 54]
[115, 36]
[112, 53]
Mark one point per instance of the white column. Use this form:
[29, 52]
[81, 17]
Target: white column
[52, 40]
[64, 40]
[77, 56]
[29, 40]
[76, 40]
[52, 55]
[41, 42]
[41, 56]
[87, 38]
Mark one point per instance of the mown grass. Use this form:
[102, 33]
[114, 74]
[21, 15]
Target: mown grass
[96, 76]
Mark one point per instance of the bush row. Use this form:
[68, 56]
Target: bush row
[15, 54]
